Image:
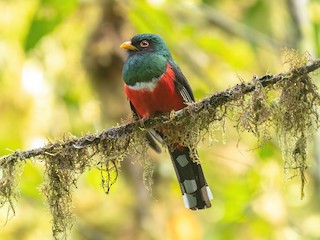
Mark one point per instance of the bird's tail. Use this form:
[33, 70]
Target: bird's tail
[195, 190]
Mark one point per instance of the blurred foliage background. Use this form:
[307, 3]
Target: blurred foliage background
[60, 72]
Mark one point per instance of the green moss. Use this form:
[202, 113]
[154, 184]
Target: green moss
[293, 114]
[10, 172]
[296, 117]
[63, 167]
[253, 112]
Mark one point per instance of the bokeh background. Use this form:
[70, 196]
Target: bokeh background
[60, 73]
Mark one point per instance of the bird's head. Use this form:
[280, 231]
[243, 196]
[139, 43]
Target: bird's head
[146, 43]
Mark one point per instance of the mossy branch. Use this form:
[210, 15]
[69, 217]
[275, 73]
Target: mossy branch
[293, 113]
[213, 102]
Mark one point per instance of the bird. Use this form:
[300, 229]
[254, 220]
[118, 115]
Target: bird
[154, 84]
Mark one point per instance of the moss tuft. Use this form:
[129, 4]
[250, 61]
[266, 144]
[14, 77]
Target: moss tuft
[253, 112]
[62, 170]
[10, 172]
[296, 117]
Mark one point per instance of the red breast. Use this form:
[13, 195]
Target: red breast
[162, 97]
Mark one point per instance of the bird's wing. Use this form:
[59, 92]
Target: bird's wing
[181, 84]
[151, 135]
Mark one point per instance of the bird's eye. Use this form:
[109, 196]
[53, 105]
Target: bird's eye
[144, 43]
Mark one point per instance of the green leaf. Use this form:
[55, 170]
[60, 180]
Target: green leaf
[46, 18]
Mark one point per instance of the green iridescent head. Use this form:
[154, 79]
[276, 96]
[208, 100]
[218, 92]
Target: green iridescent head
[146, 43]
[147, 60]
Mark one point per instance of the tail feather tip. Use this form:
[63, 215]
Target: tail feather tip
[190, 199]
[210, 195]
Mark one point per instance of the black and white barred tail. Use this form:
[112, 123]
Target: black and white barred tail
[195, 190]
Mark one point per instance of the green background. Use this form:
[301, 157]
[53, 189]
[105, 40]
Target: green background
[60, 72]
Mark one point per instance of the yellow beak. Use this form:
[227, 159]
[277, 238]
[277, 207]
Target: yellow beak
[128, 45]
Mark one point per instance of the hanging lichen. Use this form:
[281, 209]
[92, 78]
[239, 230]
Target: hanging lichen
[62, 170]
[253, 112]
[10, 173]
[296, 116]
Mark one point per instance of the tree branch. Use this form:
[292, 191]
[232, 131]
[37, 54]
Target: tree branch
[213, 102]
